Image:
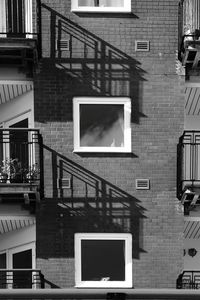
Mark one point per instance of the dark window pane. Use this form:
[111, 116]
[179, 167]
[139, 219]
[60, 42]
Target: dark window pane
[22, 260]
[2, 273]
[103, 260]
[101, 125]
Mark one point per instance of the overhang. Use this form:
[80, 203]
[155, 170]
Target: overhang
[12, 90]
[11, 223]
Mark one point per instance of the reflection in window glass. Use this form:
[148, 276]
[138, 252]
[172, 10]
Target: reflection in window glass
[103, 260]
[102, 125]
[101, 3]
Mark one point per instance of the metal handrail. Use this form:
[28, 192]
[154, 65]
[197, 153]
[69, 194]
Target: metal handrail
[74, 293]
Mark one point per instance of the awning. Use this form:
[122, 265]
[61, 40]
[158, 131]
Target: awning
[192, 228]
[192, 103]
[11, 223]
[9, 91]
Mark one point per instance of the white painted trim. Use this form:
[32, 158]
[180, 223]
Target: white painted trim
[124, 9]
[127, 237]
[192, 219]
[29, 246]
[190, 84]
[28, 18]
[20, 217]
[20, 82]
[15, 119]
[2, 18]
[102, 100]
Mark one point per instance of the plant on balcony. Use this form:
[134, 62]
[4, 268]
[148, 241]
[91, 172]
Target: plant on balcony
[16, 171]
[4, 170]
[11, 169]
[32, 173]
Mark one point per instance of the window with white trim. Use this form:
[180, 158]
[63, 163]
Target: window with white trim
[103, 260]
[119, 6]
[102, 124]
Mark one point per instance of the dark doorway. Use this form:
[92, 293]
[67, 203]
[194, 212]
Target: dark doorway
[19, 143]
[16, 18]
[22, 260]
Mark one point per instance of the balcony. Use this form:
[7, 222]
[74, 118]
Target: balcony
[20, 32]
[188, 162]
[190, 52]
[21, 165]
[189, 280]
[21, 279]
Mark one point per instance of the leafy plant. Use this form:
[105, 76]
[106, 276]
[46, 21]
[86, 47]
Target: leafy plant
[33, 172]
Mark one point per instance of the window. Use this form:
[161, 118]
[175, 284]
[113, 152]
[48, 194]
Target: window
[103, 260]
[101, 5]
[102, 124]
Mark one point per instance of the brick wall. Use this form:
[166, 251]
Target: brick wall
[149, 79]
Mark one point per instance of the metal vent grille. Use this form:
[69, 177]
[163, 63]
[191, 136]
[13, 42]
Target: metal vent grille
[142, 45]
[64, 183]
[63, 45]
[142, 184]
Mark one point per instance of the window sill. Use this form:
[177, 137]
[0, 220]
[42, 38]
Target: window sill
[101, 11]
[106, 151]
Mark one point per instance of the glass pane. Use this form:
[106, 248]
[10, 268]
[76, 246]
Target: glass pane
[22, 260]
[103, 260]
[2, 273]
[19, 143]
[101, 3]
[101, 125]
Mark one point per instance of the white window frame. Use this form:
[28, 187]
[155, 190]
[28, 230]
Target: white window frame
[77, 101]
[125, 9]
[127, 283]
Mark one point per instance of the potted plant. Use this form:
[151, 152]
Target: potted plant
[4, 170]
[32, 173]
[16, 171]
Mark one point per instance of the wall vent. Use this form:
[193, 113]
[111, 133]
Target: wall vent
[63, 45]
[142, 45]
[64, 183]
[142, 184]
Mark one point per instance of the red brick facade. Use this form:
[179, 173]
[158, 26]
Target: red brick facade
[102, 61]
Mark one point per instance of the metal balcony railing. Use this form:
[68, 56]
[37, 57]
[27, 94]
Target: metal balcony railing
[188, 161]
[21, 279]
[20, 30]
[189, 280]
[21, 158]
[21, 18]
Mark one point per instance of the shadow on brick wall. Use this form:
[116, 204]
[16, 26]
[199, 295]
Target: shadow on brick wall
[84, 202]
[89, 67]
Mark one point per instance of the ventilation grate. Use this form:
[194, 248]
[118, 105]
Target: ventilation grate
[142, 184]
[64, 183]
[63, 45]
[142, 45]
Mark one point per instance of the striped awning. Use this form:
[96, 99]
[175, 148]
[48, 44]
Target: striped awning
[192, 228]
[10, 91]
[192, 104]
[11, 223]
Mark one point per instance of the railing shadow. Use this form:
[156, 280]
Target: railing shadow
[88, 203]
[90, 66]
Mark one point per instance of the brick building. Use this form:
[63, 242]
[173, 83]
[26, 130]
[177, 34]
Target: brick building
[94, 92]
